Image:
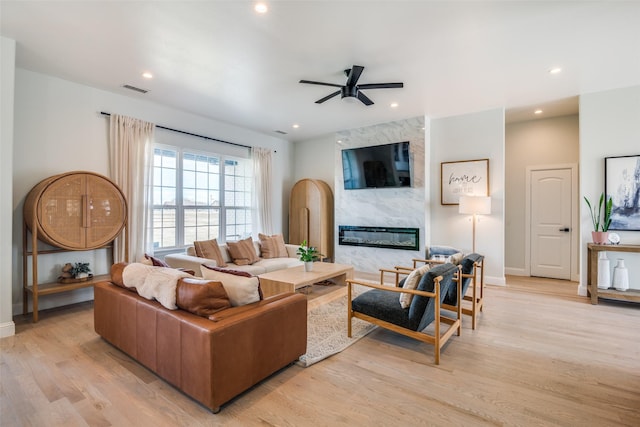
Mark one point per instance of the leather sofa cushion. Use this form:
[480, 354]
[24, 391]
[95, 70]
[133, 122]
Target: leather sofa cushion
[201, 297]
[116, 275]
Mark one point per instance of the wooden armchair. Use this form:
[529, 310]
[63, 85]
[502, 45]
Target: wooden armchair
[381, 306]
[472, 270]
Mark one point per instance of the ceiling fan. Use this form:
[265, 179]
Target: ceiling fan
[351, 89]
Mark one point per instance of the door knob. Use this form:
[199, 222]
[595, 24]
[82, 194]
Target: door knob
[565, 230]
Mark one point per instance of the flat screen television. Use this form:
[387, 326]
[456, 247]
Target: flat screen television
[378, 166]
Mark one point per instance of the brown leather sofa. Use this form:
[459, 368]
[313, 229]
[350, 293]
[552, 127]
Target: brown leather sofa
[210, 360]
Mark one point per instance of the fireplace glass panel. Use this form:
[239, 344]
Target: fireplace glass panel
[379, 237]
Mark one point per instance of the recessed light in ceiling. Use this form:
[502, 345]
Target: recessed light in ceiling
[261, 7]
[147, 75]
[295, 126]
[555, 70]
[394, 105]
[537, 112]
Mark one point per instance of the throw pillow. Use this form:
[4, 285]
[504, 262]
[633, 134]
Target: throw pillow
[156, 262]
[272, 246]
[209, 249]
[242, 252]
[452, 258]
[411, 282]
[201, 297]
[456, 258]
[236, 273]
[241, 290]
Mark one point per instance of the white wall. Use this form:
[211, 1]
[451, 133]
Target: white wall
[541, 142]
[609, 126]
[469, 137]
[58, 128]
[315, 159]
[7, 72]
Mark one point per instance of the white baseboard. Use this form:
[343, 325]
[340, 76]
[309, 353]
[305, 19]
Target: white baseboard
[57, 300]
[7, 329]
[512, 271]
[582, 290]
[494, 280]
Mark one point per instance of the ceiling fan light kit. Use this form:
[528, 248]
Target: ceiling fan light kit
[351, 89]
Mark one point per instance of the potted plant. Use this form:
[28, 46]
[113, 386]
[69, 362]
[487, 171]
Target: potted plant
[308, 254]
[600, 222]
[80, 270]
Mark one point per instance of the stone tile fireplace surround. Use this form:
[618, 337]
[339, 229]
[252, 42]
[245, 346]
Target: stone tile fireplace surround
[382, 207]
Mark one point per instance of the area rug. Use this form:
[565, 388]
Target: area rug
[327, 329]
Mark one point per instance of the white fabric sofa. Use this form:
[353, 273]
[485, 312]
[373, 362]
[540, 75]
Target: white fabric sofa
[190, 261]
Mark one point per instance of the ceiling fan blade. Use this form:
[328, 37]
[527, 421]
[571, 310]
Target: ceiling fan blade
[354, 75]
[381, 86]
[319, 83]
[365, 100]
[320, 101]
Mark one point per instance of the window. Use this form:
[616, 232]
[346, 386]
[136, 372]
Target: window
[199, 196]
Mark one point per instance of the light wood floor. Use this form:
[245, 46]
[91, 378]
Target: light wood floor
[541, 356]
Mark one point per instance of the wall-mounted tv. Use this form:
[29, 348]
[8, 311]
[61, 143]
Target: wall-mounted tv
[377, 166]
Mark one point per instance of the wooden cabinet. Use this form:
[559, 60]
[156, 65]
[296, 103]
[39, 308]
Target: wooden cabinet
[74, 211]
[592, 274]
[311, 215]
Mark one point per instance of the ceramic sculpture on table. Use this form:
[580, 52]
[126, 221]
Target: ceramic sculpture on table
[620, 276]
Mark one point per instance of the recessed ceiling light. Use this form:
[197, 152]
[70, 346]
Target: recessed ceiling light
[555, 70]
[147, 75]
[295, 126]
[261, 8]
[394, 105]
[537, 112]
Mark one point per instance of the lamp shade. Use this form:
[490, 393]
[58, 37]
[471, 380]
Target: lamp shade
[475, 205]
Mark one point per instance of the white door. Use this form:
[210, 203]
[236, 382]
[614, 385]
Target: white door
[551, 201]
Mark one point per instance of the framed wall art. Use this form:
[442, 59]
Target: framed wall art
[463, 178]
[622, 184]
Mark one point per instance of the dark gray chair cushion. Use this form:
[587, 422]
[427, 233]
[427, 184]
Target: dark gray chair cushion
[467, 268]
[385, 305]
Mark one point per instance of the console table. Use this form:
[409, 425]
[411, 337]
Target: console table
[592, 274]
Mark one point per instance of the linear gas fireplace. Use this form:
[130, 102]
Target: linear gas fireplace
[379, 237]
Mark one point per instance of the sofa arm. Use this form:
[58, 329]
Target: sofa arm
[187, 261]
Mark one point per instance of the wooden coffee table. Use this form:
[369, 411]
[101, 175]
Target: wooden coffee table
[294, 278]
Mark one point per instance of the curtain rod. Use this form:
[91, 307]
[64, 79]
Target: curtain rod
[191, 134]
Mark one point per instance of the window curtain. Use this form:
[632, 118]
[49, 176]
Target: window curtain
[262, 189]
[130, 157]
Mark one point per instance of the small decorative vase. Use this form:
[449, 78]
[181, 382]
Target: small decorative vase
[600, 237]
[620, 276]
[604, 273]
[308, 266]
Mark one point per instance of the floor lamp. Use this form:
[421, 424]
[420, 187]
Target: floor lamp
[475, 205]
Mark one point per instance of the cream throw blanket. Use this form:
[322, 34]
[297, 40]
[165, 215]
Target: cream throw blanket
[157, 283]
